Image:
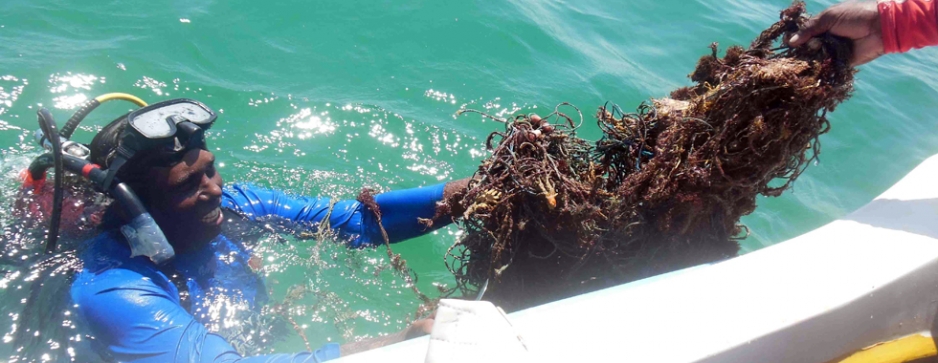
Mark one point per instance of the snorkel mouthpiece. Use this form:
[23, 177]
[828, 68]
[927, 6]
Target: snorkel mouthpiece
[143, 234]
[146, 239]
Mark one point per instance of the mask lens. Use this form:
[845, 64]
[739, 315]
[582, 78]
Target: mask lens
[153, 127]
[158, 120]
[189, 111]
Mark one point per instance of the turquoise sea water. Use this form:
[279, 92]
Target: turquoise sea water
[324, 97]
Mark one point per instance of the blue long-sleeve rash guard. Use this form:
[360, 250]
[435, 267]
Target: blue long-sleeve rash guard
[134, 311]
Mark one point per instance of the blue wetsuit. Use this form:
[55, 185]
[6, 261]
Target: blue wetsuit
[134, 311]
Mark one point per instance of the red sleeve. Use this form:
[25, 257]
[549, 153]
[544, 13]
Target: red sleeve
[910, 24]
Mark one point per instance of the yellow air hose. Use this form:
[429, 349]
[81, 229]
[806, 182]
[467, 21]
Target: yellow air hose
[120, 96]
[89, 106]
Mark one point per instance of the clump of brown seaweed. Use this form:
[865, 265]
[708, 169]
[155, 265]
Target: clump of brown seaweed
[549, 215]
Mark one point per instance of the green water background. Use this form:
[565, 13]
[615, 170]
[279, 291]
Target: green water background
[324, 97]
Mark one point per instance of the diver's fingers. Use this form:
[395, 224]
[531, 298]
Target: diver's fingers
[814, 27]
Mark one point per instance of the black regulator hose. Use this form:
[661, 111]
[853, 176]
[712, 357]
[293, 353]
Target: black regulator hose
[47, 124]
[37, 169]
[93, 103]
[118, 190]
[76, 119]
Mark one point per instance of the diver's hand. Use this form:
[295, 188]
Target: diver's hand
[857, 21]
[420, 327]
[416, 329]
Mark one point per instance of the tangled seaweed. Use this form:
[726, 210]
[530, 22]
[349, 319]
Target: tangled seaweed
[549, 215]
[367, 198]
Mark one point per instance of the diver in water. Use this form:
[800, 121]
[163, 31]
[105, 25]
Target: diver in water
[142, 311]
[876, 27]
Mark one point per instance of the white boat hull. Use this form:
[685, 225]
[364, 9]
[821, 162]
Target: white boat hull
[869, 277]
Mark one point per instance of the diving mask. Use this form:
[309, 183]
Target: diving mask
[172, 126]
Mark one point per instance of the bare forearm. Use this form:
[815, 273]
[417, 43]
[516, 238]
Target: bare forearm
[416, 329]
[369, 344]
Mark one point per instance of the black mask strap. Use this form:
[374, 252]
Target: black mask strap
[123, 154]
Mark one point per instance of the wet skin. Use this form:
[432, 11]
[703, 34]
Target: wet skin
[185, 200]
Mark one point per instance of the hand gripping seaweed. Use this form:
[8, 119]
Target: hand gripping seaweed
[549, 215]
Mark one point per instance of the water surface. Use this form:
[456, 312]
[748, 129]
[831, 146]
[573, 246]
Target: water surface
[322, 98]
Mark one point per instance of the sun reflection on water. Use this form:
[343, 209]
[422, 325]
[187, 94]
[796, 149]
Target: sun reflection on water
[152, 84]
[11, 88]
[70, 88]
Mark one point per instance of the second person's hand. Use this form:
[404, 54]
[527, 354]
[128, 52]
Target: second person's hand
[857, 21]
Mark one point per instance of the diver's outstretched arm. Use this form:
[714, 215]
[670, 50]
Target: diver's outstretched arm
[405, 213]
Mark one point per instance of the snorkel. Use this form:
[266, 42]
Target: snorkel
[171, 127]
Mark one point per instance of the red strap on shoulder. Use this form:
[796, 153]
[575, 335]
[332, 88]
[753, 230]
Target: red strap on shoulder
[29, 182]
[909, 24]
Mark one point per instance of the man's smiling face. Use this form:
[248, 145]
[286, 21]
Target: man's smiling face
[185, 200]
